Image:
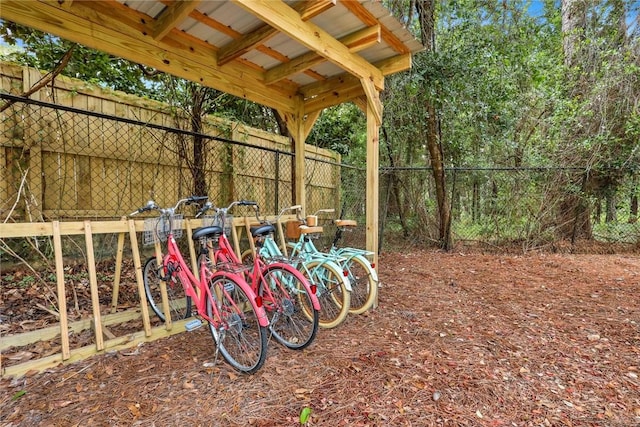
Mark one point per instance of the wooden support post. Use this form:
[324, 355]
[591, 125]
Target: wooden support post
[93, 284]
[138, 267]
[373, 128]
[118, 272]
[62, 295]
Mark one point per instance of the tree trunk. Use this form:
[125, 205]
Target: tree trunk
[633, 209]
[199, 153]
[425, 9]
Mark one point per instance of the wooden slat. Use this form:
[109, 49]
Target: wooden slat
[62, 296]
[120, 343]
[118, 272]
[138, 268]
[164, 295]
[51, 332]
[93, 285]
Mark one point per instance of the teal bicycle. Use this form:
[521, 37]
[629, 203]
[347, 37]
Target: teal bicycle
[361, 272]
[323, 271]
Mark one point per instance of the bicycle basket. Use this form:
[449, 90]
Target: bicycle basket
[209, 220]
[157, 229]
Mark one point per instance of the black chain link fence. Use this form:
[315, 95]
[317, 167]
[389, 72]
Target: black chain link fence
[526, 208]
[62, 162]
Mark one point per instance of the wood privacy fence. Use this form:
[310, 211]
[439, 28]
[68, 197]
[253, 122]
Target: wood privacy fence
[104, 320]
[78, 151]
[74, 159]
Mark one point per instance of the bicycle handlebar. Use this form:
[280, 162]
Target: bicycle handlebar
[151, 205]
[324, 211]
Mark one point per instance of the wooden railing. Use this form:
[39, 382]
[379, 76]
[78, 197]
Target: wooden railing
[102, 317]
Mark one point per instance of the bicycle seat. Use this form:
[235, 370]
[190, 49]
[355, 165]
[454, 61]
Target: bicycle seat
[211, 231]
[262, 230]
[304, 229]
[345, 223]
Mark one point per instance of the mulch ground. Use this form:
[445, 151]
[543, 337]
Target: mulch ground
[457, 340]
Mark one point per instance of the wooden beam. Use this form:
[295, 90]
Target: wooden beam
[240, 46]
[288, 21]
[345, 88]
[341, 82]
[356, 41]
[368, 19]
[171, 16]
[373, 100]
[115, 29]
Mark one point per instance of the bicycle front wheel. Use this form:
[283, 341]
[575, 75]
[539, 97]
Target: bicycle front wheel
[179, 302]
[236, 330]
[286, 296]
[331, 291]
[364, 286]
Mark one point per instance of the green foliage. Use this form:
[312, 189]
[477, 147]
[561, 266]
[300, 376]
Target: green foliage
[304, 415]
[341, 128]
[44, 51]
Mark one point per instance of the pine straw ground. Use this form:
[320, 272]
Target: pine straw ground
[457, 340]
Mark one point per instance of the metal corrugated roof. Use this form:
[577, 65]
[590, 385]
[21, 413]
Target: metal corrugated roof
[267, 51]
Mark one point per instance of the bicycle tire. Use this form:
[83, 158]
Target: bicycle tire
[332, 292]
[293, 321]
[179, 302]
[238, 335]
[364, 286]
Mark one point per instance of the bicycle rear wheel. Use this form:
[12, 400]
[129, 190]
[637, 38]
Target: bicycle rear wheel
[179, 302]
[293, 321]
[364, 286]
[332, 292]
[237, 332]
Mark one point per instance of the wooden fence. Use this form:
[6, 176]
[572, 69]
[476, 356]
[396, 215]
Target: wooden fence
[124, 150]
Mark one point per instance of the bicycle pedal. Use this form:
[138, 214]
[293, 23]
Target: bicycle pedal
[193, 324]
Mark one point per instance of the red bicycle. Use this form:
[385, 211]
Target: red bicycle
[289, 300]
[237, 320]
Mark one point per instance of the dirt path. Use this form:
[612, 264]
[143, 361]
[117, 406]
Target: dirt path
[458, 340]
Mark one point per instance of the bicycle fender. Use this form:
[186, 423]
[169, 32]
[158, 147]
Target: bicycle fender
[263, 320]
[338, 268]
[372, 271]
[301, 278]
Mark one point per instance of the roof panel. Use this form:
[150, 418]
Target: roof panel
[253, 60]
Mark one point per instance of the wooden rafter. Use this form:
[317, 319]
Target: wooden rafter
[118, 33]
[355, 42]
[240, 46]
[282, 17]
[171, 16]
[344, 88]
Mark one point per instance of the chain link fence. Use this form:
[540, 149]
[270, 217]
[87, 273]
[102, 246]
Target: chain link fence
[61, 162]
[529, 208]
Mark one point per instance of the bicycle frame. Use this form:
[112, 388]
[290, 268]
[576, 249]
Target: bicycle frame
[191, 283]
[226, 254]
[305, 249]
